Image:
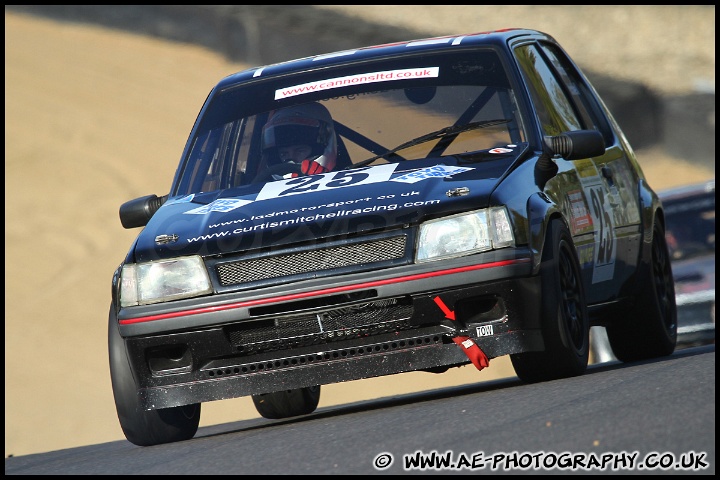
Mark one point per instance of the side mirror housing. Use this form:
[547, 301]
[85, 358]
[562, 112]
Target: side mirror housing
[577, 144]
[137, 212]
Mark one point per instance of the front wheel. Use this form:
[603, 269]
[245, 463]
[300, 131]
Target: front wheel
[287, 403]
[143, 427]
[564, 315]
[649, 329]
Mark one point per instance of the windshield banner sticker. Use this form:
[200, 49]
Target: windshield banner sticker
[363, 78]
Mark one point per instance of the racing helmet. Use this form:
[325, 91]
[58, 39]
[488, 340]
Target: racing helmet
[306, 124]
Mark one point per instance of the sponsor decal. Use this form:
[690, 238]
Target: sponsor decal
[580, 217]
[299, 216]
[430, 172]
[327, 181]
[323, 211]
[500, 150]
[603, 221]
[220, 205]
[363, 78]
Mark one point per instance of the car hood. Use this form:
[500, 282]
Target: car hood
[307, 209]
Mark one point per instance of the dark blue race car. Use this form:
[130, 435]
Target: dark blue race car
[408, 207]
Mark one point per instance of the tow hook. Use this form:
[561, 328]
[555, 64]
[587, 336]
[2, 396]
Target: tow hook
[463, 340]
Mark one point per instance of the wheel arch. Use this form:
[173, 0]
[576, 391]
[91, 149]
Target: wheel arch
[650, 207]
[541, 211]
[651, 211]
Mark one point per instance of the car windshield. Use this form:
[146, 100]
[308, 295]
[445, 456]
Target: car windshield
[415, 107]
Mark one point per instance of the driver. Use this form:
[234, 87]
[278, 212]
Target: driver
[301, 136]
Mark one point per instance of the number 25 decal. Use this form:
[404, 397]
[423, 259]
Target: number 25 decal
[606, 233]
[327, 181]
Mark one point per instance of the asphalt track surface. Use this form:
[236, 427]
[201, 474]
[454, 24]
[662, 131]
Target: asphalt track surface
[656, 414]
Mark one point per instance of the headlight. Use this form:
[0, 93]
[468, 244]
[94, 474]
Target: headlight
[162, 281]
[463, 234]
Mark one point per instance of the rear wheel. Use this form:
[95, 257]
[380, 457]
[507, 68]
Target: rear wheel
[143, 427]
[287, 403]
[649, 329]
[565, 321]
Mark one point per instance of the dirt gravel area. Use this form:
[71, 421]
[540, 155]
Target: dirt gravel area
[670, 48]
[95, 117]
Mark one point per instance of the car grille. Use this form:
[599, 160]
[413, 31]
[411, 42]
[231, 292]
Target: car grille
[309, 261]
[355, 321]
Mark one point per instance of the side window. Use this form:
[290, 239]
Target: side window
[223, 157]
[215, 176]
[202, 158]
[582, 95]
[554, 109]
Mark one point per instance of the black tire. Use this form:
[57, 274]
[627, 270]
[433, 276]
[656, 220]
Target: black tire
[649, 329]
[564, 314]
[287, 403]
[142, 427]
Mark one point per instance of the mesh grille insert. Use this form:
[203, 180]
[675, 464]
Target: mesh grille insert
[233, 273]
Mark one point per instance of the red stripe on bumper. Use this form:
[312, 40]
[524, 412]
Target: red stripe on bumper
[316, 293]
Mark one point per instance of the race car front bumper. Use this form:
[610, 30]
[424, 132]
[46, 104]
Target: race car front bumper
[359, 329]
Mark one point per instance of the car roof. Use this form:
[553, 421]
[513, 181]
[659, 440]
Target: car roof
[497, 38]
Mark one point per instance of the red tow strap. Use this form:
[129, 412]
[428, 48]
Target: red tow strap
[468, 345]
[473, 352]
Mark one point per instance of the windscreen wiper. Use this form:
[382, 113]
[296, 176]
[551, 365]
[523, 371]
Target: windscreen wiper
[438, 134]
